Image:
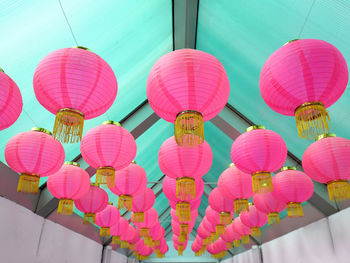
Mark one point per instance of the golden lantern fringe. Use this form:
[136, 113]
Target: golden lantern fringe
[185, 188]
[184, 229]
[225, 218]
[157, 251]
[125, 201]
[255, 232]
[89, 218]
[312, 120]
[180, 249]
[159, 255]
[273, 218]
[28, 183]
[104, 231]
[220, 229]
[241, 205]
[182, 238]
[183, 211]
[124, 244]
[262, 182]
[116, 240]
[229, 245]
[105, 175]
[206, 241]
[156, 243]
[236, 243]
[148, 241]
[245, 239]
[68, 126]
[132, 246]
[144, 232]
[65, 207]
[197, 254]
[338, 190]
[138, 217]
[189, 129]
[213, 236]
[295, 209]
[135, 253]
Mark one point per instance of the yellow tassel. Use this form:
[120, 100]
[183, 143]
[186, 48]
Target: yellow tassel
[184, 229]
[185, 188]
[183, 211]
[148, 241]
[124, 244]
[241, 205]
[116, 240]
[89, 218]
[104, 231]
[206, 241]
[28, 183]
[255, 232]
[157, 251]
[144, 232]
[68, 126]
[262, 182]
[312, 120]
[236, 243]
[295, 209]
[196, 254]
[229, 245]
[105, 175]
[225, 218]
[125, 201]
[213, 236]
[182, 238]
[245, 239]
[138, 217]
[273, 218]
[65, 207]
[338, 190]
[180, 249]
[220, 229]
[189, 129]
[131, 246]
[156, 243]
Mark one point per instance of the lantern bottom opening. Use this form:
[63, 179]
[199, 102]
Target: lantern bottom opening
[241, 205]
[65, 207]
[105, 175]
[189, 129]
[104, 231]
[68, 127]
[294, 209]
[125, 201]
[89, 218]
[185, 188]
[262, 182]
[338, 190]
[273, 218]
[28, 183]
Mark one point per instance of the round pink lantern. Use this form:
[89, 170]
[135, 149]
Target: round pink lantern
[107, 218]
[204, 233]
[231, 236]
[254, 219]
[142, 202]
[211, 228]
[241, 229]
[119, 229]
[185, 226]
[222, 205]
[150, 219]
[270, 205]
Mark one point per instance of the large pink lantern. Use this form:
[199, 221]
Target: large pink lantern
[236, 185]
[292, 187]
[214, 218]
[254, 219]
[130, 181]
[107, 148]
[259, 152]
[74, 84]
[107, 218]
[188, 87]
[150, 219]
[270, 205]
[70, 183]
[222, 205]
[328, 161]
[241, 229]
[231, 236]
[93, 202]
[141, 203]
[33, 154]
[303, 78]
[119, 229]
[184, 164]
[11, 101]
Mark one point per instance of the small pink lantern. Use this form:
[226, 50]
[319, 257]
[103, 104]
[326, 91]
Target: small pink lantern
[133, 241]
[182, 237]
[130, 181]
[11, 101]
[303, 78]
[119, 229]
[185, 165]
[222, 205]
[93, 202]
[211, 228]
[180, 248]
[74, 84]
[188, 87]
[141, 203]
[70, 183]
[107, 218]
[127, 236]
[293, 187]
[236, 185]
[157, 234]
[150, 219]
[204, 234]
[214, 218]
[241, 229]
[33, 154]
[327, 161]
[254, 219]
[185, 226]
[107, 148]
[259, 152]
[231, 236]
[270, 205]
[194, 205]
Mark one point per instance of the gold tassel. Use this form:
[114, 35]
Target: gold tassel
[89, 218]
[124, 244]
[182, 238]
[229, 245]
[104, 231]
[180, 249]
[312, 120]
[273, 218]
[189, 129]
[184, 229]
[68, 126]
[241, 205]
[236, 243]
[138, 217]
[338, 190]
[220, 229]
[157, 251]
[255, 232]
[245, 239]
[213, 236]
[183, 211]
[295, 209]
[156, 243]
[185, 188]
[28, 183]
[105, 175]
[116, 240]
[131, 246]
[125, 201]
[225, 218]
[144, 232]
[262, 182]
[65, 207]
[206, 241]
[196, 254]
[148, 241]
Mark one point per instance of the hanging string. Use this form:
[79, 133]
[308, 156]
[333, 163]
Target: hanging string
[306, 18]
[70, 27]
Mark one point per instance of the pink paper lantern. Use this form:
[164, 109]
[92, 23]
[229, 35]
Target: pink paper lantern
[184, 164]
[70, 183]
[129, 181]
[127, 236]
[107, 218]
[259, 152]
[157, 234]
[222, 205]
[150, 219]
[74, 84]
[107, 148]
[142, 202]
[188, 87]
[270, 205]
[93, 202]
[180, 248]
[241, 229]
[119, 229]
[185, 226]
[211, 228]
[204, 233]
[293, 187]
[231, 236]
[214, 218]
[236, 185]
[33, 154]
[133, 241]
[254, 219]
[327, 161]
[11, 101]
[303, 78]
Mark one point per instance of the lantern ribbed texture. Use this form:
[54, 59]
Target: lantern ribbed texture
[210, 227]
[107, 148]
[302, 71]
[293, 187]
[254, 219]
[214, 218]
[223, 205]
[202, 231]
[327, 161]
[236, 185]
[107, 218]
[69, 183]
[241, 229]
[231, 235]
[33, 154]
[141, 203]
[76, 79]
[93, 202]
[10, 101]
[270, 205]
[259, 152]
[187, 79]
[118, 229]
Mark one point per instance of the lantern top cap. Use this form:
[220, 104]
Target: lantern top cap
[71, 163]
[325, 136]
[290, 41]
[42, 130]
[134, 162]
[111, 122]
[81, 47]
[285, 168]
[1, 70]
[231, 165]
[255, 127]
[110, 203]
[94, 184]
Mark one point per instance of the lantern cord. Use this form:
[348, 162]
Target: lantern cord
[70, 27]
[306, 18]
